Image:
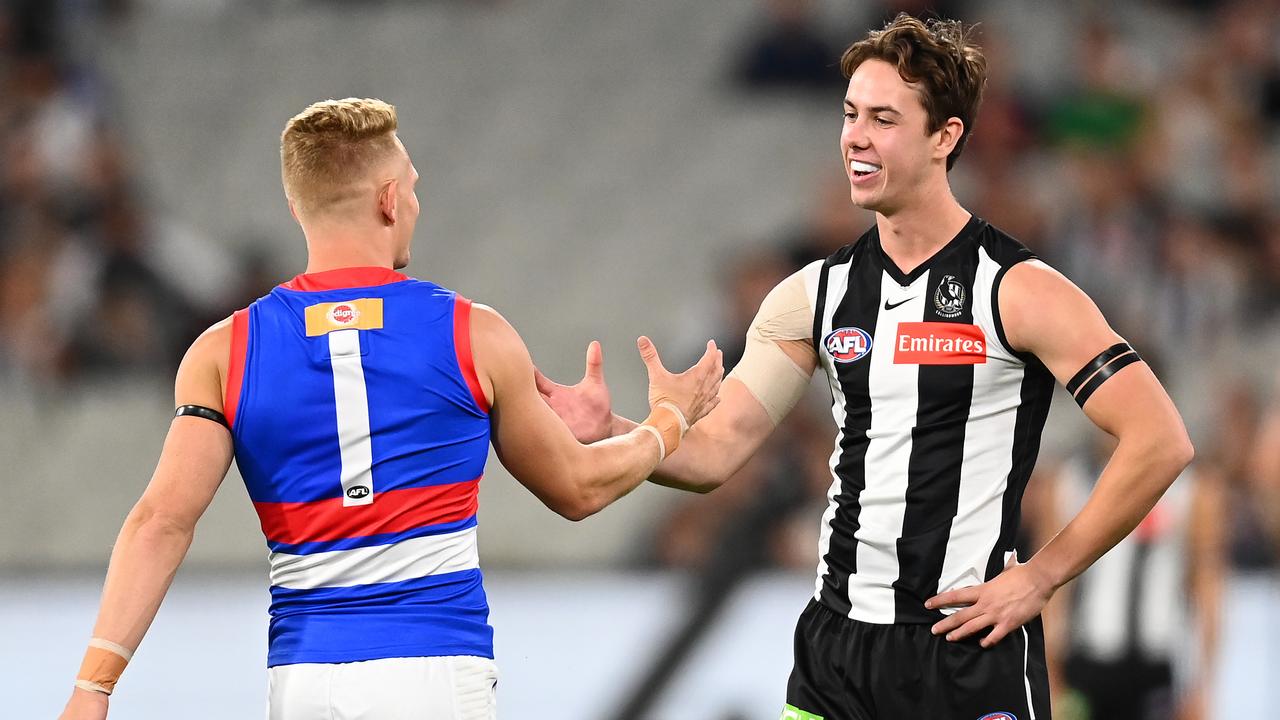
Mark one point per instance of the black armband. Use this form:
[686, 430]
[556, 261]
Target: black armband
[1100, 369]
[204, 412]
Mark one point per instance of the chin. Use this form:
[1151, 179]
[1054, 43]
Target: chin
[400, 262]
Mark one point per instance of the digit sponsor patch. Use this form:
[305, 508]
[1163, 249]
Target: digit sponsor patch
[361, 314]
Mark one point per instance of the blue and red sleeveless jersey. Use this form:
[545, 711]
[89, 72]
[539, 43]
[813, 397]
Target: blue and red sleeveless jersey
[361, 432]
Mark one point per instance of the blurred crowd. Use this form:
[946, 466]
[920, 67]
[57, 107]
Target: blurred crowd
[1146, 170]
[90, 275]
[1154, 185]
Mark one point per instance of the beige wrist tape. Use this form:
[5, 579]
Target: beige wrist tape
[103, 664]
[666, 422]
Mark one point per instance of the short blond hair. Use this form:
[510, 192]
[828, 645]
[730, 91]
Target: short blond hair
[327, 149]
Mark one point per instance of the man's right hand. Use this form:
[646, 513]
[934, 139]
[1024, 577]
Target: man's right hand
[85, 705]
[695, 391]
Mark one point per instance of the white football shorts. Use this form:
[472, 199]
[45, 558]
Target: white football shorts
[419, 688]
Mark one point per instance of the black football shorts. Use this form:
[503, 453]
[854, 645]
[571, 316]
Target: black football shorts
[850, 670]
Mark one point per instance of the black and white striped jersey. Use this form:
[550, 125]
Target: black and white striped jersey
[1132, 603]
[939, 423]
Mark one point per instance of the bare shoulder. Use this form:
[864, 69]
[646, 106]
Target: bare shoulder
[203, 372]
[500, 356]
[1035, 276]
[492, 334]
[1035, 299]
[1045, 314]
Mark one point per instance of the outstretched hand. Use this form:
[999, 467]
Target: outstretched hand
[695, 391]
[1004, 604]
[583, 407]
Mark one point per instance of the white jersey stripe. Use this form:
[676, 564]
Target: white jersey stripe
[1026, 678]
[837, 286]
[988, 449]
[894, 392]
[405, 560]
[352, 402]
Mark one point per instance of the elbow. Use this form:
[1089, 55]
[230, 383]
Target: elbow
[579, 505]
[1182, 452]
[1172, 453]
[578, 509]
[708, 483]
[147, 520]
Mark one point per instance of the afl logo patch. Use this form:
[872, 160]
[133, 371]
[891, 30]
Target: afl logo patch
[999, 716]
[848, 344]
[356, 492]
[948, 299]
[344, 314]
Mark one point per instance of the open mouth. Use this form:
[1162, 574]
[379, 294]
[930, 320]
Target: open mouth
[860, 170]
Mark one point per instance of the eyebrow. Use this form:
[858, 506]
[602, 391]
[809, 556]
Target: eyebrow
[875, 108]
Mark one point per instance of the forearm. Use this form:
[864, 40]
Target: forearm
[611, 468]
[146, 556]
[700, 466]
[1134, 479]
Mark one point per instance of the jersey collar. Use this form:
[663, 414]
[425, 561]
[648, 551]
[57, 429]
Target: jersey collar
[905, 279]
[342, 278]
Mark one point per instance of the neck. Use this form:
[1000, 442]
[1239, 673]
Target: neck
[910, 235]
[332, 249]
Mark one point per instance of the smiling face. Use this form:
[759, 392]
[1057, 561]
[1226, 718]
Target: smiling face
[887, 150]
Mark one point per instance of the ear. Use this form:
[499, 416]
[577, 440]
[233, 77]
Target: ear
[294, 212]
[387, 199]
[948, 135]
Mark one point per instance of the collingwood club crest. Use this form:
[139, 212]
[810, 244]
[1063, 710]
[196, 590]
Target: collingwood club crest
[949, 297]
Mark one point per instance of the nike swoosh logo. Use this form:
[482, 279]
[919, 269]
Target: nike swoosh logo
[887, 306]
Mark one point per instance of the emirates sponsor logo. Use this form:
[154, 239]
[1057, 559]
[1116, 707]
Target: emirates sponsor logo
[938, 343]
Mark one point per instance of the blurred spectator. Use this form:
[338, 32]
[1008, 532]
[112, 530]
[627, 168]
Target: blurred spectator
[83, 289]
[789, 51]
[832, 223]
[1135, 635]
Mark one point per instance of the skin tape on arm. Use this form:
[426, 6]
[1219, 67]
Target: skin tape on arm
[766, 371]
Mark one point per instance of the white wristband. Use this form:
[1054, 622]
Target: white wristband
[662, 445]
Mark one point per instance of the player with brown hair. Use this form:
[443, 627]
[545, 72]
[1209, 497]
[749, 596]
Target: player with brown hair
[940, 337]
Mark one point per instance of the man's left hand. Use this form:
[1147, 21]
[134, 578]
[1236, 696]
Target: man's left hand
[1004, 604]
[583, 407]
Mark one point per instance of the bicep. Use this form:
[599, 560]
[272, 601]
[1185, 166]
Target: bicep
[1049, 317]
[197, 452]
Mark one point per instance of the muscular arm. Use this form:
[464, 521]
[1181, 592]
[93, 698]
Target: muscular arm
[1048, 316]
[158, 530]
[572, 479]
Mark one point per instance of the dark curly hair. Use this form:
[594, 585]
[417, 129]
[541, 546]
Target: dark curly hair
[939, 57]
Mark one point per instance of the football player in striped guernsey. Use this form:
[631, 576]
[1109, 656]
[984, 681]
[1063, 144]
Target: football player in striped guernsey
[940, 337]
[359, 405]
